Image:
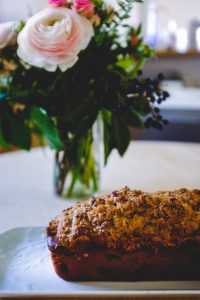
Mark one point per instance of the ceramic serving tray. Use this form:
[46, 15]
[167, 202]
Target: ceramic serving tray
[26, 270]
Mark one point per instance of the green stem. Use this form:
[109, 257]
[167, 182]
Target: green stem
[83, 178]
[53, 86]
[92, 172]
[94, 178]
[63, 168]
[71, 187]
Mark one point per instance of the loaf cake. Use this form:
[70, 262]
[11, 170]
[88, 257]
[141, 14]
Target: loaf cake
[128, 235]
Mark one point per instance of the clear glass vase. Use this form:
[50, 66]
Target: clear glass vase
[77, 173]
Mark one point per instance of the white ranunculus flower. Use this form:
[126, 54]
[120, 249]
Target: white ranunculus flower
[53, 38]
[7, 34]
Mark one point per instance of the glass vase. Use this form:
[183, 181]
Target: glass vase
[77, 171]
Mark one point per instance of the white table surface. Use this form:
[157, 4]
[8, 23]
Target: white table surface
[26, 185]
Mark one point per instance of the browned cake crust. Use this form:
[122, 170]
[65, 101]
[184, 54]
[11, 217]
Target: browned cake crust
[129, 235]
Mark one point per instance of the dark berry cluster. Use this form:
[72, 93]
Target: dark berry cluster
[155, 95]
[143, 95]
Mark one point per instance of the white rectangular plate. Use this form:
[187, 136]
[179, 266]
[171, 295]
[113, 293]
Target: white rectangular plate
[26, 270]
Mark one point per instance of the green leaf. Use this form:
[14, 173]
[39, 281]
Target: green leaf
[116, 134]
[47, 127]
[126, 63]
[76, 111]
[2, 139]
[15, 131]
[139, 29]
[132, 118]
[121, 134]
[107, 134]
[142, 105]
[107, 138]
[86, 124]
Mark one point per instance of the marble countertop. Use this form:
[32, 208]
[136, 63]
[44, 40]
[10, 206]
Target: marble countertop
[26, 179]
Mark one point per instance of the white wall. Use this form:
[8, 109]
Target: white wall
[182, 11]
[11, 10]
[157, 14]
[19, 9]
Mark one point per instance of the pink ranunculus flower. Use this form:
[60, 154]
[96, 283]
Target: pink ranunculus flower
[57, 3]
[7, 34]
[84, 7]
[53, 38]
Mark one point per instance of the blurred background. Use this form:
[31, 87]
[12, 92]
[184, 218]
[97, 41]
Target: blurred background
[172, 28]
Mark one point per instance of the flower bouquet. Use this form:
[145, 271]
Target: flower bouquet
[71, 74]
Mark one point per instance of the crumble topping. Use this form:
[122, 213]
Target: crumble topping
[130, 219]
